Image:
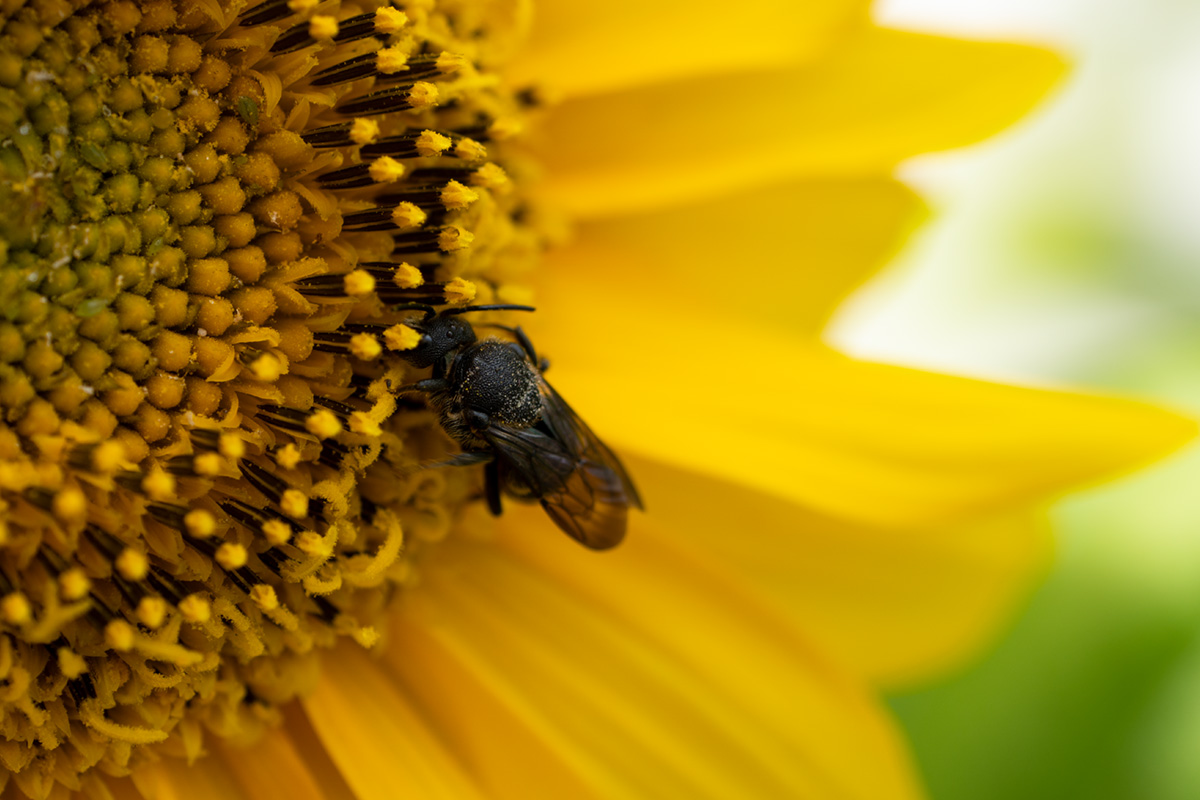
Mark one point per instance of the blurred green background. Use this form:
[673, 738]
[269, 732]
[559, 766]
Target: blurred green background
[1067, 253]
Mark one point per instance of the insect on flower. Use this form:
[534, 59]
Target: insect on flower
[492, 399]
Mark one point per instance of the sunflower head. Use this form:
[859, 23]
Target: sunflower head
[210, 212]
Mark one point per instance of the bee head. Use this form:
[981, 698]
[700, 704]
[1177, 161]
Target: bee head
[445, 332]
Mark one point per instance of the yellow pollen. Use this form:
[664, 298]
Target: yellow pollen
[322, 27]
[195, 608]
[152, 611]
[294, 503]
[366, 347]
[132, 564]
[432, 143]
[386, 170]
[401, 337]
[408, 215]
[264, 597]
[208, 464]
[16, 609]
[302, 6]
[287, 456]
[200, 523]
[358, 283]
[119, 635]
[159, 485]
[364, 131]
[277, 532]
[390, 20]
[266, 368]
[453, 238]
[232, 556]
[489, 176]
[423, 95]
[312, 543]
[323, 424]
[456, 196]
[470, 150]
[361, 422]
[231, 446]
[451, 62]
[70, 663]
[407, 276]
[459, 292]
[391, 60]
[108, 456]
[69, 505]
[74, 584]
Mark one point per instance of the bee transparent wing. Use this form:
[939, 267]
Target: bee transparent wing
[596, 496]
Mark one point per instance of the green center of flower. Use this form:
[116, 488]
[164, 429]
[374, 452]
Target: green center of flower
[205, 476]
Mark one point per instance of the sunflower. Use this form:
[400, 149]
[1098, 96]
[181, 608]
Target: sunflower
[221, 543]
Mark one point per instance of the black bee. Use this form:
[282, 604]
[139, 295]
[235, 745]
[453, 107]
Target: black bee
[491, 398]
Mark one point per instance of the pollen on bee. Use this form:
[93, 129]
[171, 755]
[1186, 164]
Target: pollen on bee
[358, 282]
[401, 337]
[364, 131]
[459, 291]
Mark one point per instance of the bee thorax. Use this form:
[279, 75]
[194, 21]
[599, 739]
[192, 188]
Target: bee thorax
[496, 380]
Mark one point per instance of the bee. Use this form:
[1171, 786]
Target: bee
[492, 398]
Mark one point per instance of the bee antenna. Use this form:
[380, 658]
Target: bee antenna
[429, 311]
[501, 307]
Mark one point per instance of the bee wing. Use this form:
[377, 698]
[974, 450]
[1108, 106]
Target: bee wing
[594, 501]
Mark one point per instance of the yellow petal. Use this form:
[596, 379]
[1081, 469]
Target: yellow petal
[717, 394]
[642, 675]
[897, 604]
[174, 780]
[275, 768]
[784, 255]
[585, 46]
[884, 96]
[378, 740]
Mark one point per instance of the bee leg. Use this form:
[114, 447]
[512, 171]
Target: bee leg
[526, 344]
[429, 386]
[491, 487]
[466, 459]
